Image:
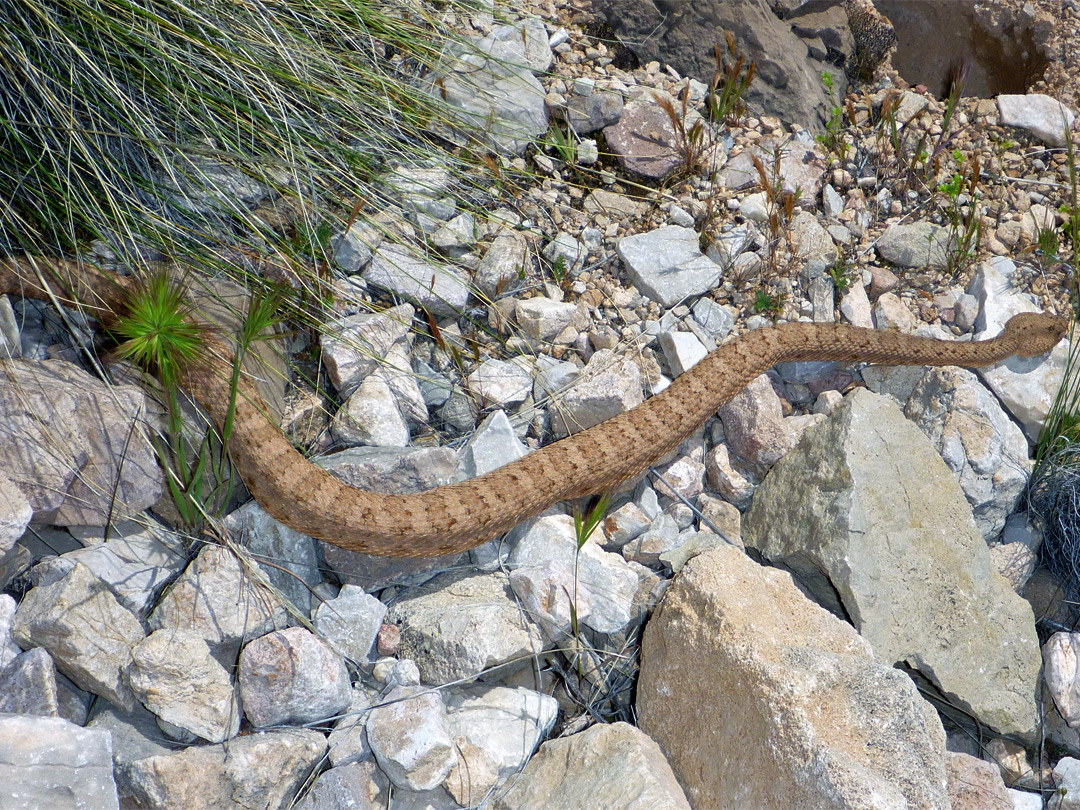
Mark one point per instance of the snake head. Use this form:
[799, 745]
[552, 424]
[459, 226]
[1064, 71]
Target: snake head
[1034, 333]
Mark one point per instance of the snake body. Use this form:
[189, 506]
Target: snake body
[460, 516]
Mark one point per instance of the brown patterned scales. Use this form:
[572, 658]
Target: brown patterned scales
[461, 516]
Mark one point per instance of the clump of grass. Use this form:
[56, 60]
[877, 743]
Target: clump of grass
[725, 102]
[179, 118]
[961, 191]
[692, 141]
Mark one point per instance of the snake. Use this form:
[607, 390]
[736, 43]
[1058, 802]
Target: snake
[459, 516]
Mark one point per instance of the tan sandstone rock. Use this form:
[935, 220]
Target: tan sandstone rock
[760, 698]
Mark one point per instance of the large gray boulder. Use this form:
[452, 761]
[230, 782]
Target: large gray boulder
[872, 521]
[681, 33]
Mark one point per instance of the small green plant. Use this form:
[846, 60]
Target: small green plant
[156, 330]
[841, 277]
[563, 144]
[585, 522]
[833, 137]
[558, 269]
[724, 102]
[1072, 219]
[961, 190]
[767, 303]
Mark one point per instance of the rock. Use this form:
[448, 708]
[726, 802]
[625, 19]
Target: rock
[85, 630]
[1014, 561]
[348, 740]
[812, 243]
[1062, 673]
[1067, 777]
[134, 736]
[504, 265]
[865, 501]
[175, 677]
[493, 445]
[410, 738]
[134, 564]
[682, 350]
[487, 92]
[790, 671]
[505, 723]
[624, 524]
[347, 787]
[296, 561]
[461, 624]
[543, 319]
[30, 684]
[613, 766]
[473, 776]
[456, 236]
[801, 167]
[614, 205]
[592, 112]
[291, 676]
[685, 476]
[15, 513]
[981, 445]
[69, 446]
[644, 140]
[662, 537]
[787, 83]
[501, 383]
[567, 249]
[754, 425]
[218, 599]
[351, 249]
[717, 320]
[607, 386]
[723, 477]
[855, 307]
[549, 549]
[919, 244]
[370, 416]
[49, 762]
[1043, 116]
[350, 622]
[667, 264]
[974, 784]
[439, 289]
[353, 347]
[260, 771]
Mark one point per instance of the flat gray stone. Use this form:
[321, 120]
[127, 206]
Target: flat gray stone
[920, 244]
[46, 762]
[667, 264]
[1043, 116]
[437, 288]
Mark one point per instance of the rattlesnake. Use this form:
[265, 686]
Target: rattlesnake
[460, 516]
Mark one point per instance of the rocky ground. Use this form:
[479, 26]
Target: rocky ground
[662, 665]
